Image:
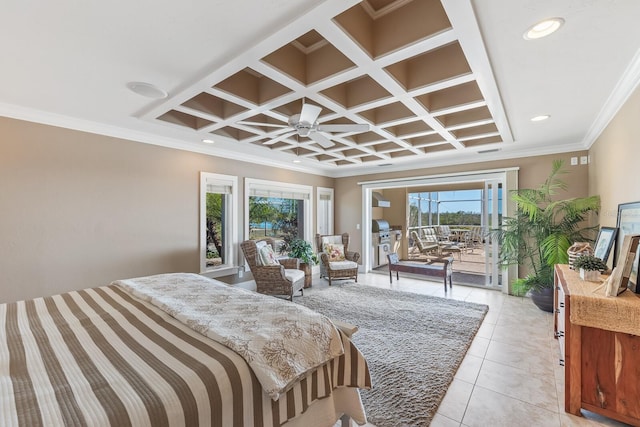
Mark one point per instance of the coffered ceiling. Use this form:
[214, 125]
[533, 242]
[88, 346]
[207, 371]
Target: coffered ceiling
[396, 66]
[430, 82]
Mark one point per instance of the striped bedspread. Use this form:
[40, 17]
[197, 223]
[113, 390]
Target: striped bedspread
[101, 357]
[281, 341]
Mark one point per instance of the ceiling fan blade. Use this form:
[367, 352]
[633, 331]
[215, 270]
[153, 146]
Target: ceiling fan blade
[279, 138]
[321, 139]
[309, 113]
[273, 125]
[344, 128]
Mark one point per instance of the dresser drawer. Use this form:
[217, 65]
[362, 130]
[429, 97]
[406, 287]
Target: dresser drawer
[561, 322]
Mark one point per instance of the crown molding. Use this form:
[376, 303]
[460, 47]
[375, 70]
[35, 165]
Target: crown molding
[621, 92]
[82, 125]
[508, 151]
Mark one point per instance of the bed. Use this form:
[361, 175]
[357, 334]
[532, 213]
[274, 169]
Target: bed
[157, 351]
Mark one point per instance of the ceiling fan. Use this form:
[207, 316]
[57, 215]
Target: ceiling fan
[305, 124]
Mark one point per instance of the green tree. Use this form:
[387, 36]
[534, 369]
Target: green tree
[261, 211]
[214, 224]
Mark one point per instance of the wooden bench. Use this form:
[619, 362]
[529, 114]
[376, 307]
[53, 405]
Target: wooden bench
[437, 266]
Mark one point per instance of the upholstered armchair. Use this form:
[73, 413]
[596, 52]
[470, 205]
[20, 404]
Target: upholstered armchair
[336, 261]
[273, 276]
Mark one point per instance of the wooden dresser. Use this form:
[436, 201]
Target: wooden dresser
[599, 347]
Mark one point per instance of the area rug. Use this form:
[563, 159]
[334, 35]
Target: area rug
[413, 344]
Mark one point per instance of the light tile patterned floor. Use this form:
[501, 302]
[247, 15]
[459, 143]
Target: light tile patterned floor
[510, 375]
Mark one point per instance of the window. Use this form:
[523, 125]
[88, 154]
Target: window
[218, 204]
[325, 210]
[278, 210]
[459, 207]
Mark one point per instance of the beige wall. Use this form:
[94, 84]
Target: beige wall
[80, 210]
[614, 158]
[533, 171]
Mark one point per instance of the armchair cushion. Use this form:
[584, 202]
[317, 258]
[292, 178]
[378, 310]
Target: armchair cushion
[335, 251]
[343, 265]
[294, 275]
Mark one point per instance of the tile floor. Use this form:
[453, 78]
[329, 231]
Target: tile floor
[510, 375]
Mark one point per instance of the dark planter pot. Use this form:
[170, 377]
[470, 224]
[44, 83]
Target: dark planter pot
[543, 299]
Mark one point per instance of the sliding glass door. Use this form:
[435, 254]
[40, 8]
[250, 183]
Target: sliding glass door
[491, 219]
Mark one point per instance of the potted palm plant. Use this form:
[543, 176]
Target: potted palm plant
[301, 249]
[538, 235]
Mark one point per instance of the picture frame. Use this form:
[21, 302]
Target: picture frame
[604, 242]
[628, 222]
[627, 259]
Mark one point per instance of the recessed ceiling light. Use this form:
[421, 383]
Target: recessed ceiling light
[543, 28]
[297, 161]
[208, 141]
[540, 118]
[147, 89]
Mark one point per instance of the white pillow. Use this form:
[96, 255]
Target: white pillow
[267, 256]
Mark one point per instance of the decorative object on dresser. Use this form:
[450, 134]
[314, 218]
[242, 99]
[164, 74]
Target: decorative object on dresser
[599, 339]
[577, 250]
[273, 276]
[301, 249]
[336, 261]
[627, 258]
[628, 223]
[541, 231]
[413, 344]
[589, 267]
[604, 242]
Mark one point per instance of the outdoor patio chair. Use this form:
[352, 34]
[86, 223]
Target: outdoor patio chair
[445, 234]
[436, 231]
[443, 247]
[427, 246]
[336, 261]
[272, 276]
[476, 237]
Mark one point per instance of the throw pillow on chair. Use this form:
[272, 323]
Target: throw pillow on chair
[335, 251]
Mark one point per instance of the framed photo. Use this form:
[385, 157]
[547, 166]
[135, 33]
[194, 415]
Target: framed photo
[628, 223]
[604, 242]
[628, 257]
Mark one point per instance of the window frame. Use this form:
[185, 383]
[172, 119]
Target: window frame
[320, 191]
[283, 187]
[230, 220]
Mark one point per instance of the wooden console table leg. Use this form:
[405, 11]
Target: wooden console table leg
[573, 370]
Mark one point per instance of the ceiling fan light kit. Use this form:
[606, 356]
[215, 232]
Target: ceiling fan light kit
[306, 125]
